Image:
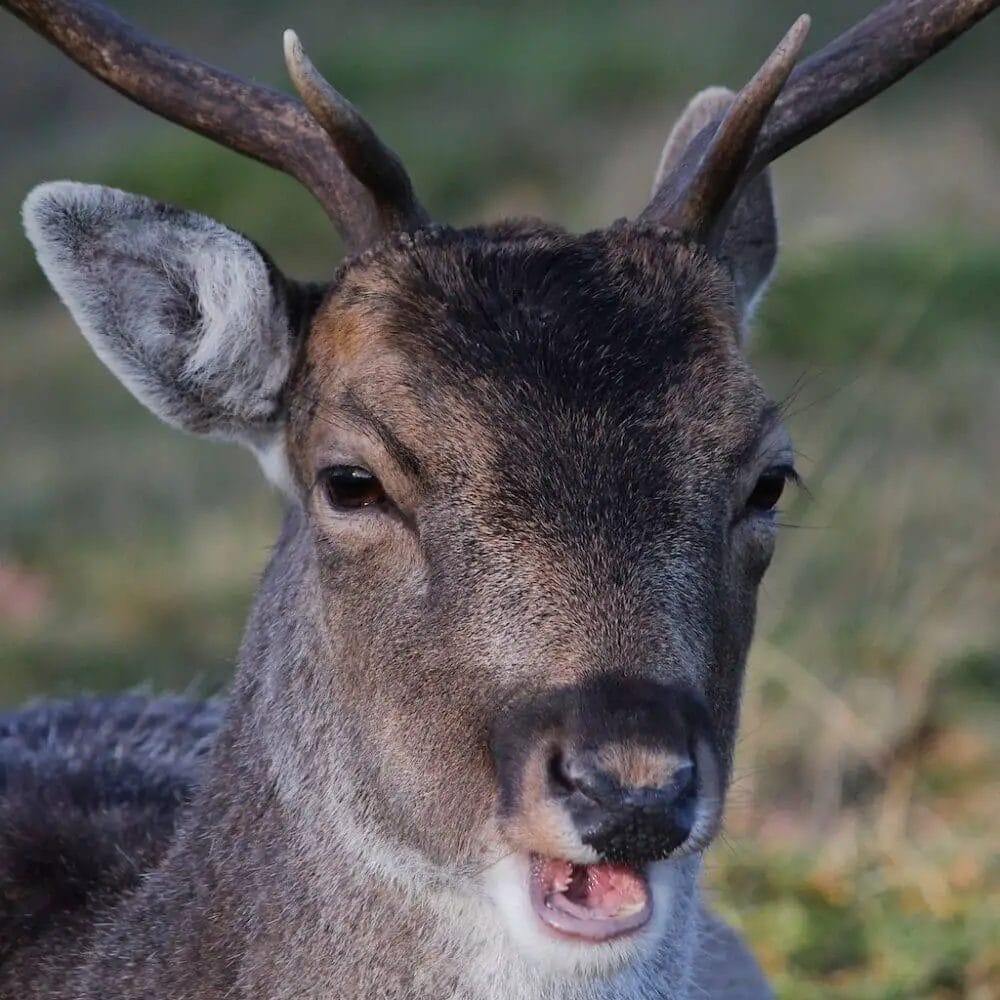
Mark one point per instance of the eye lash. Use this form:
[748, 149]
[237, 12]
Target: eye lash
[788, 473]
[791, 475]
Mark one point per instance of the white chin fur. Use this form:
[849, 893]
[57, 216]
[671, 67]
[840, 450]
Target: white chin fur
[507, 883]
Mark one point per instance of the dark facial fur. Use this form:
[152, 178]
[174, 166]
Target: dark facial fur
[566, 424]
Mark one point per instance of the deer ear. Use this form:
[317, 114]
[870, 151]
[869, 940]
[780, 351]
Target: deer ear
[191, 316]
[749, 243]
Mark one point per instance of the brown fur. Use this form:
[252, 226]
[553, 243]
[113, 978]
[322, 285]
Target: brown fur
[539, 824]
[637, 766]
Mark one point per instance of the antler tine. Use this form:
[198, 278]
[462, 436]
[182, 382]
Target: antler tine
[781, 108]
[694, 198]
[366, 156]
[249, 118]
[879, 50]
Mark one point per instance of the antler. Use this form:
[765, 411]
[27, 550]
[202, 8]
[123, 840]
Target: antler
[695, 196]
[370, 161]
[760, 125]
[329, 148]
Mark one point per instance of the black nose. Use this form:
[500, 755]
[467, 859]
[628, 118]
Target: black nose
[625, 823]
[625, 765]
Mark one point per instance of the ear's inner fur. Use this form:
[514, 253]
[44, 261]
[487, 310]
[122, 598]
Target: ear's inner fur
[192, 317]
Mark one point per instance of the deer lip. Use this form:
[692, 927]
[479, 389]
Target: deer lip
[590, 903]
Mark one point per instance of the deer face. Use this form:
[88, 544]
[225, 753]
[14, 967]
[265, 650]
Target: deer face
[535, 479]
[538, 478]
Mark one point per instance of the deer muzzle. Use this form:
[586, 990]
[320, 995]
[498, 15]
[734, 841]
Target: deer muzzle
[597, 782]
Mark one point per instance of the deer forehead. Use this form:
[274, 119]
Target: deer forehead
[506, 350]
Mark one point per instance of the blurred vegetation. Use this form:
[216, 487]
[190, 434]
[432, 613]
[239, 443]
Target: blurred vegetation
[861, 852]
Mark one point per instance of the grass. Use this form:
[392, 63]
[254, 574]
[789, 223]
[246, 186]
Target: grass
[860, 850]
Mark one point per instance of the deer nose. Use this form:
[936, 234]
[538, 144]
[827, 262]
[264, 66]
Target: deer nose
[626, 823]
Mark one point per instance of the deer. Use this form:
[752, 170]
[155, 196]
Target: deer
[482, 723]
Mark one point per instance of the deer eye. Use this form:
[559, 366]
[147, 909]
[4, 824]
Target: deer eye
[350, 487]
[767, 491]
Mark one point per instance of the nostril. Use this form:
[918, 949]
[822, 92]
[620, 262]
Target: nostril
[684, 782]
[559, 779]
[679, 791]
[582, 775]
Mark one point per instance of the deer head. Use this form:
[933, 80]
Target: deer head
[531, 475]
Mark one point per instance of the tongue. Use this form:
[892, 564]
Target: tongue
[593, 902]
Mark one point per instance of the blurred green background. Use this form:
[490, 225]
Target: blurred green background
[860, 855]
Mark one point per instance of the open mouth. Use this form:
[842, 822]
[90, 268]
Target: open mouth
[589, 902]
